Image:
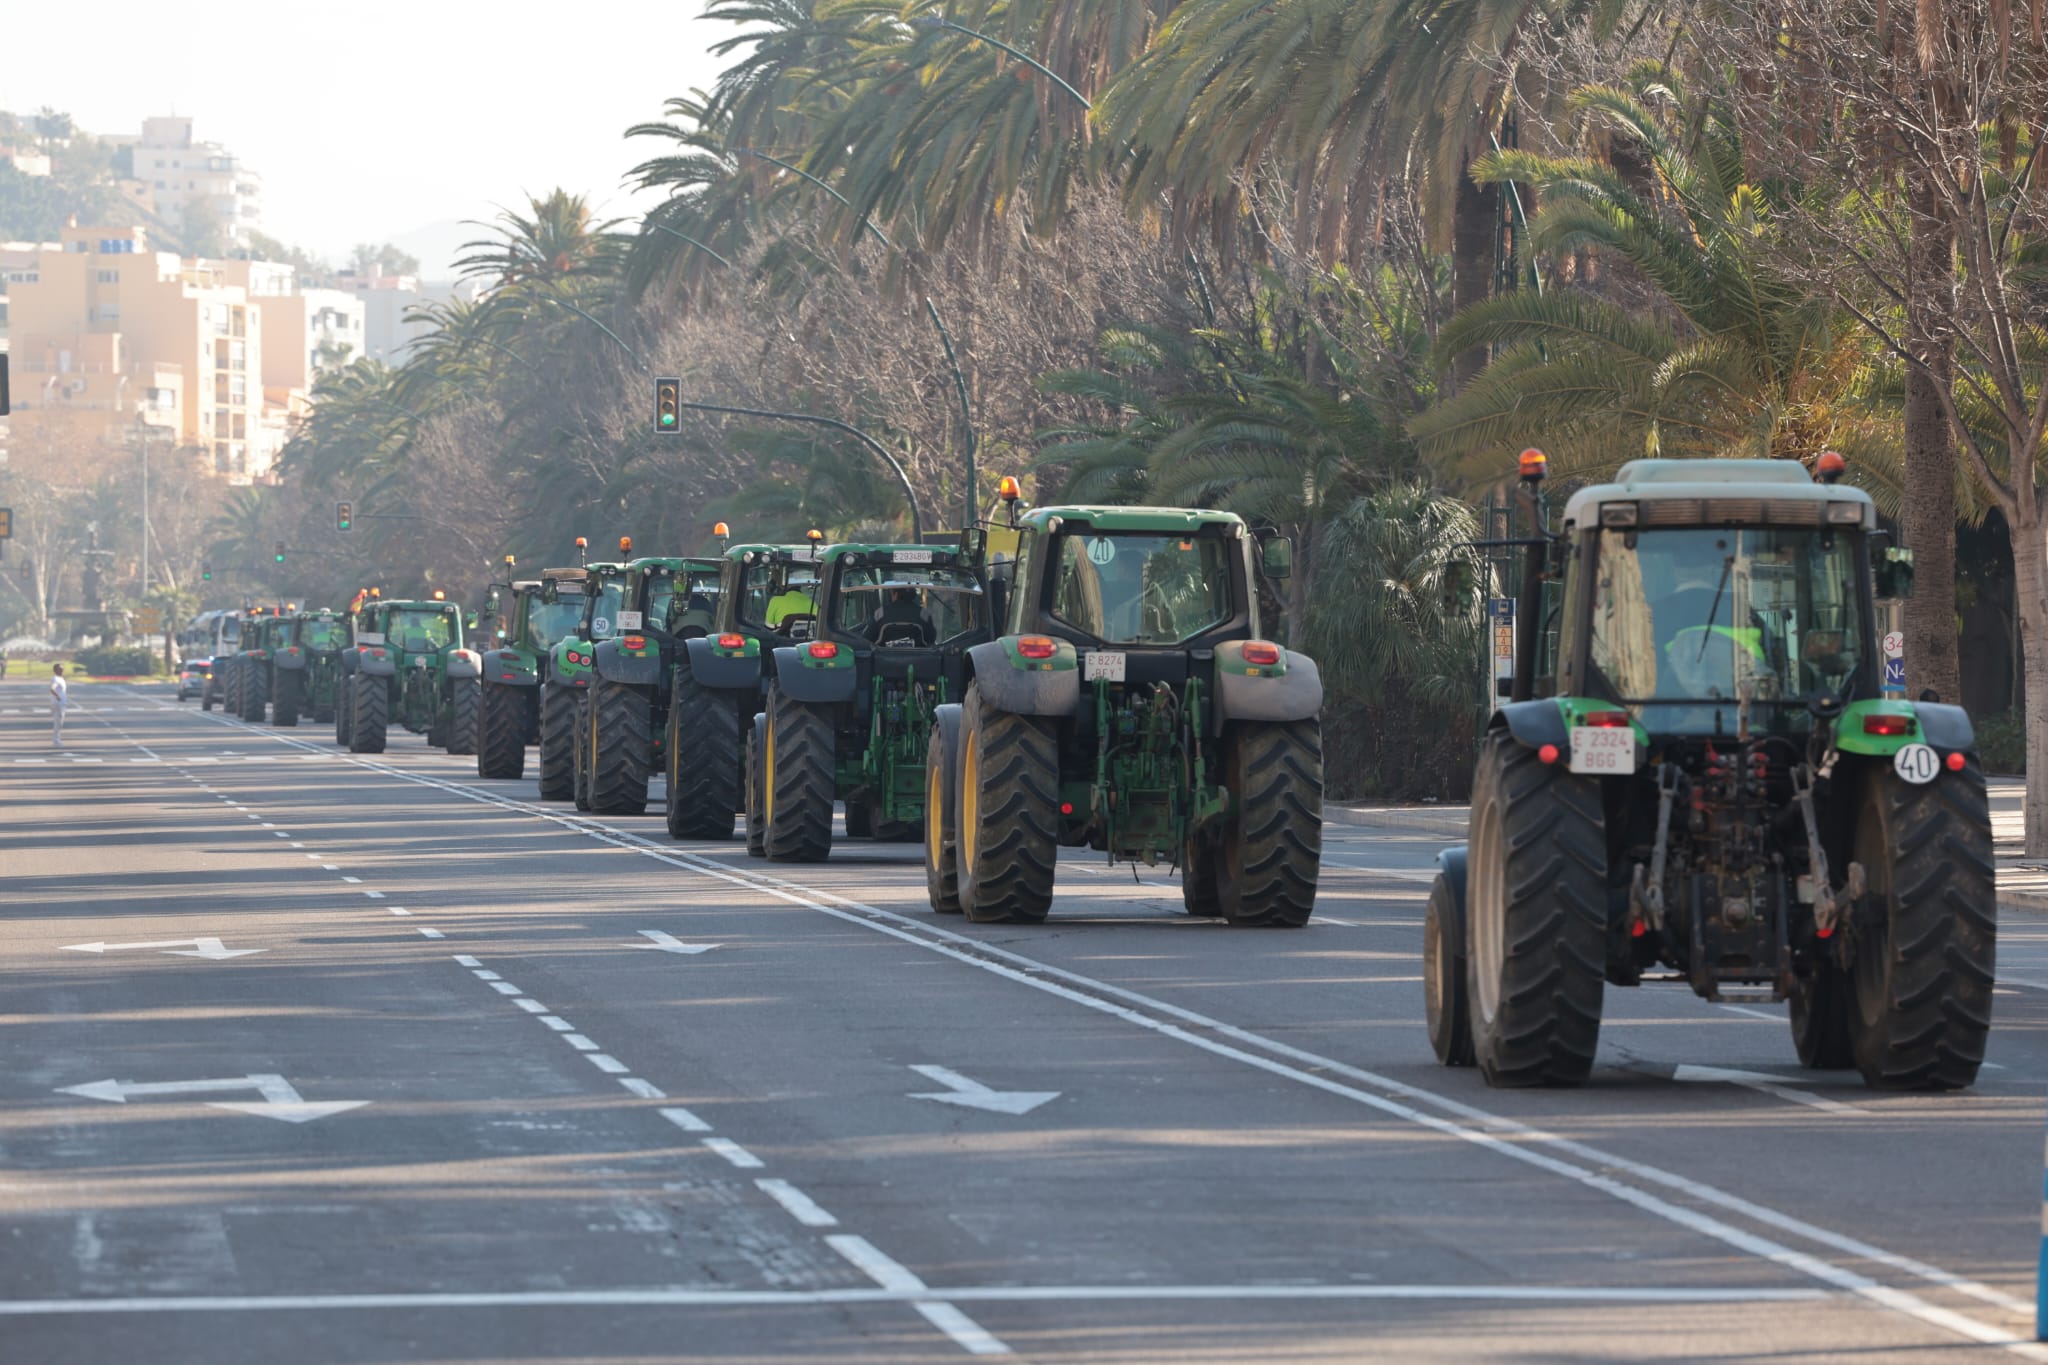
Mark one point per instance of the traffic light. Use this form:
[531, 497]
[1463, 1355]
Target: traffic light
[668, 404]
[344, 515]
[278, 553]
[206, 573]
[3, 383]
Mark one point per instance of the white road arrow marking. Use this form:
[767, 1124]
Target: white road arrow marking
[971, 1094]
[669, 943]
[281, 1100]
[1763, 1083]
[212, 949]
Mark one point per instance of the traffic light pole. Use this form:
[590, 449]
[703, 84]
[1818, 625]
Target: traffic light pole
[909, 496]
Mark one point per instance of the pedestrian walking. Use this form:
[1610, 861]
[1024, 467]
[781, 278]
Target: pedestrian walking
[60, 702]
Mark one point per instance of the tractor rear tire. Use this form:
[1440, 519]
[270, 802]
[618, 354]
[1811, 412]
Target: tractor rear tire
[284, 708]
[344, 709]
[619, 749]
[1535, 918]
[501, 731]
[230, 693]
[465, 698]
[797, 780]
[1926, 931]
[557, 743]
[1823, 1019]
[579, 747]
[1272, 846]
[942, 814]
[1444, 985]
[757, 824]
[706, 760]
[255, 695]
[372, 716]
[1009, 788]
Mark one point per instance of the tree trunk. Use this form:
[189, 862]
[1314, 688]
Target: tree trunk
[1475, 223]
[1928, 511]
[2030, 580]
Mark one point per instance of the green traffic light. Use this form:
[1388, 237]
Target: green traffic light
[668, 419]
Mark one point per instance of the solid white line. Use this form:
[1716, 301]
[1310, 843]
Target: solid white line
[579, 1042]
[432, 933]
[800, 1205]
[884, 1270]
[772, 1298]
[1599, 1171]
[610, 1065]
[736, 1154]
[646, 1090]
[681, 1117]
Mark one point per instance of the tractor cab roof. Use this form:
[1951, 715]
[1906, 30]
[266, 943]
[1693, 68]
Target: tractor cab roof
[564, 575]
[747, 554]
[887, 554]
[426, 604]
[525, 584]
[1709, 492]
[646, 562]
[1110, 519]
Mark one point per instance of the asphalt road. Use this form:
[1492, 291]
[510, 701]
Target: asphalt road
[319, 1058]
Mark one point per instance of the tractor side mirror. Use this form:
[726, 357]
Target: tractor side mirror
[1895, 573]
[1276, 557]
[973, 543]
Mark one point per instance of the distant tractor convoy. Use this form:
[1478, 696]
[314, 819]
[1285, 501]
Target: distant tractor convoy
[1695, 772]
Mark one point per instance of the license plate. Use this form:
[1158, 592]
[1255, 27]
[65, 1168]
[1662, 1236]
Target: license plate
[629, 620]
[1604, 752]
[913, 557]
[1103, 666]
[369, 637]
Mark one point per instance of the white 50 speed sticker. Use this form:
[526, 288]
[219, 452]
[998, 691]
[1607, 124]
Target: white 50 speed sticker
[1916, 763]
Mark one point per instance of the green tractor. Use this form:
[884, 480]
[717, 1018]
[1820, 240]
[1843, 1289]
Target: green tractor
[410, 664]
[619, 743]
[849, 709]
[1697, 777]
[1133, 706]
[532, 617]
[766, 599]
[305, 666]
[245, 688]
[597, 595]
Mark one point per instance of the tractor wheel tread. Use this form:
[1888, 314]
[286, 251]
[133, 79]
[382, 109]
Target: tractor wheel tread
[704, 757]
[799, 824]
[465, 702]
[1272, 844]
[1016, 839]
[618, 749]
[557, 743]
[372, 718]
[501, 731]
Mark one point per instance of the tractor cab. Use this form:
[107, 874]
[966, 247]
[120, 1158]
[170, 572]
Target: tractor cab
[770, 591]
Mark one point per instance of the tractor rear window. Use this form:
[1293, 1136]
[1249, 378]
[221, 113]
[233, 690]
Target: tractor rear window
[780, 596]
[325, 635]
[909, 605]
[693, 610]
[1130, 589]
[604, 621]
[421, 632]
[549, 622]
[1685, 619]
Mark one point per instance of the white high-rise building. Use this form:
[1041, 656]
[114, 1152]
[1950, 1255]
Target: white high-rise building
[178, 179]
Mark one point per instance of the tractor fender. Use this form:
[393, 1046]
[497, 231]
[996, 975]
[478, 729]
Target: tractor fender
[1532, 723]
[465, 663]
[1292, 690]
[727, 673]
[291, 658]
[1017, 686]
[382, 664]
[616, 664]
[1450, 865]
[510, 668]
[1945, 727]
[815, 681]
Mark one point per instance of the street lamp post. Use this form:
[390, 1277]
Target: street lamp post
[909, 496]
[940, 21]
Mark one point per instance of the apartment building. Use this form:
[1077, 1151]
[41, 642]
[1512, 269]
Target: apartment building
[177, 178]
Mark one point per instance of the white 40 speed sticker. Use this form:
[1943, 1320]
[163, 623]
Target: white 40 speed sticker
[1916, 763]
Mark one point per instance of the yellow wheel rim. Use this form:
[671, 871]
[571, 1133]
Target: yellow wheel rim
[768, 778]
[970, 805]
[934, 818]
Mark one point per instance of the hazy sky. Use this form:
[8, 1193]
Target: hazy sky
[372, 119]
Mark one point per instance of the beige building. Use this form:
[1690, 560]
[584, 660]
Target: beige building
[178, 178]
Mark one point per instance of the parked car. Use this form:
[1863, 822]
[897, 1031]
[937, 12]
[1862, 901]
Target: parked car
[192, 677]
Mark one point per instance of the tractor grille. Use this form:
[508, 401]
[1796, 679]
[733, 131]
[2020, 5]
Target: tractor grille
[1730, 512]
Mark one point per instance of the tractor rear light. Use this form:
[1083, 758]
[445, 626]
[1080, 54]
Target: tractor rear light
[824, 649]
[1637, 928]
[1887, 725]
[1036, 646]
[1547, 754]
[732, 642]
[634, 641]
[1262, 653]
[1955, 762]
[1066, 808]
[1605, 720]
[1618, 513]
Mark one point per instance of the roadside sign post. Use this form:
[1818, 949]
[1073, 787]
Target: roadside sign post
[1500, 621]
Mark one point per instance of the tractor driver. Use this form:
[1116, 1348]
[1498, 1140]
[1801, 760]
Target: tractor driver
[793, 600]
[900, 619]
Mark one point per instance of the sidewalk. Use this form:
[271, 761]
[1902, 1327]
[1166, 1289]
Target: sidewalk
[2021, 886]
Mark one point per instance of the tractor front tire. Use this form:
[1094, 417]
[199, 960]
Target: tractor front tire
[1535, 918]
[465, 702]
[1009, 787]
[942, 813]
[706, 760]
[1822, 1007]
[372, 716]
[1925, 933]
[1272, 845]
[619, 748]
[501, 731]
[797, 779]
[284, 708]
[230, 694]
[1201, 871]
[255, 695]
[1444, 983]
[557, 743]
